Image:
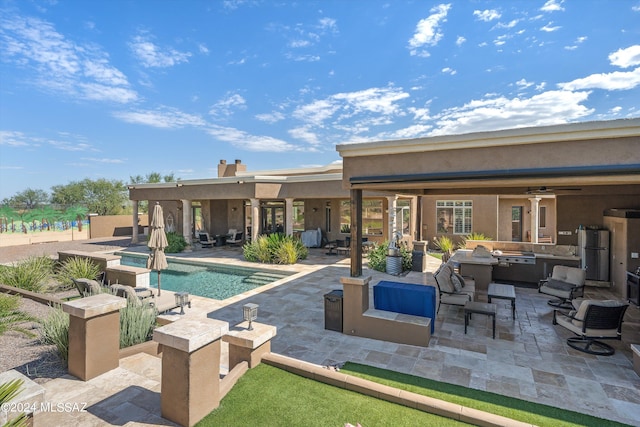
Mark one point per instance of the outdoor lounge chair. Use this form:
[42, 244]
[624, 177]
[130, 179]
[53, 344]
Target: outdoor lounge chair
[453, 288]
[87, 287]
[206, 241]
[593, 321]
[235, 238]
[134, 295]
[565, 283]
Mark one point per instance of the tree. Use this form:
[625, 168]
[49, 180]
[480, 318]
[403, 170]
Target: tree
[29, 199]
[105, 197]
[68, 195]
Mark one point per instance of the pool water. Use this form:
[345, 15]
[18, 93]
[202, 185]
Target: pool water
[208, 280]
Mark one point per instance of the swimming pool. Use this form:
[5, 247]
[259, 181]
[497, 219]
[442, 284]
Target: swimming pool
[208, 280]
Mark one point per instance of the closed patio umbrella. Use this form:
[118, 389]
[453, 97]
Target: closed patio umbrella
[157, 243]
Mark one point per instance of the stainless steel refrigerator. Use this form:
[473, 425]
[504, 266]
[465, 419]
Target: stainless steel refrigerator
[593, 246]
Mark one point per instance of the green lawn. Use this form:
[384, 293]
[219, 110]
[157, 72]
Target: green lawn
[268, 396]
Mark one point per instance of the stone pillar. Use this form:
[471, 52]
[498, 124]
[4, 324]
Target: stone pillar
[135, 219]
[249, 345]
[535, 206]
[94, 334]
[355, 301]
[288, 215]
[190, 387]
[255, 219]
[187, 223]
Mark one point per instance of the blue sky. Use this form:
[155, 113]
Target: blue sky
[111, 89]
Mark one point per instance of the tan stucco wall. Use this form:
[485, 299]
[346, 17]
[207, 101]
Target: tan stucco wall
[115, 225]
[504, 218]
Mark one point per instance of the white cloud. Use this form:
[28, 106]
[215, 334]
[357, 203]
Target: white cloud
[509, 24]
[617, 80]
[305, 134]
[523, 84]
[248, 142]
[59, 64]
[553, 107]
[14, 139]
[487, 15]
[152, 56]
[428, 32]
[419, 114]
[460, 40]
[203, 49]
[552, 6]
[327, 24]
[103, 160]
[627, 57]
[164, 117]
[549, 28]
[577, 42]
[271, 118]
[450, 71]
[413, 131]
[225, 106]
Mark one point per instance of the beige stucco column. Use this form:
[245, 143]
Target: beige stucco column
[94, 334]
[288, 215]
[134, 234]
[190, 386]
[255, 219]
[249, 345]
[535, 206]
[393, 223]
[187, 223]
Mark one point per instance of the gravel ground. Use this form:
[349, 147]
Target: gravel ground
[28, 355]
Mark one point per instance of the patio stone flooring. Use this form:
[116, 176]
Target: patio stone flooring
[529, 358]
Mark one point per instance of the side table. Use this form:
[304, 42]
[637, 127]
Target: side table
[480, 308]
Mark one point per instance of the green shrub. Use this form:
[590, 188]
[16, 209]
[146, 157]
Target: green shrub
[446, 246]
[276, 248]
[176, 241]
[55, 330]
[31, 274]
[378, 256]
[8, 391]
[75, 268]
[11, 318]
[136, 324]
[473, 236]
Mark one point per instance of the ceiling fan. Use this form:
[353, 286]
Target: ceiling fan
[550, 190]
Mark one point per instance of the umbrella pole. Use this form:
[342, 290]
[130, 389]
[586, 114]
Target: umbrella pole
[158, 282]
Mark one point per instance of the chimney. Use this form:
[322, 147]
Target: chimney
[230, 170]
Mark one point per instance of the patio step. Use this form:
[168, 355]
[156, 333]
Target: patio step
[262, 278]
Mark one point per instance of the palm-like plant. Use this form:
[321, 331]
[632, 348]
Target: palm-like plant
[8, 391]
[445, 244]
[76, 213]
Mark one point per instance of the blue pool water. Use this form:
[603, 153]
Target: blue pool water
[215, 281]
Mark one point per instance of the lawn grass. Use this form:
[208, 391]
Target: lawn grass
[268, 396]
[517, 409]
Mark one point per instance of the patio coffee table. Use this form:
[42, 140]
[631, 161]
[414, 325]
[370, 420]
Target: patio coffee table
[480, 308]
[499, 291]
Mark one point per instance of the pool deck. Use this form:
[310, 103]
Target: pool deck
[529, 358]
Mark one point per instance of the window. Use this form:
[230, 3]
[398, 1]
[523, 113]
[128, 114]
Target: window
[372, 217]
[403, 216]
[542, 216]
[454, 216]
[298, 215]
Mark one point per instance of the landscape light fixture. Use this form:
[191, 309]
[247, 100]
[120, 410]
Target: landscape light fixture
[182, 299]
[250, 313]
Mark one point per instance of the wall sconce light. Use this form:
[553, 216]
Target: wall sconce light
[234, 209]
[315, 209]
[182, 299]
[250, 313]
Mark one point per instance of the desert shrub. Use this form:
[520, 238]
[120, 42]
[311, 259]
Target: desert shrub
[11, 317]
[446, 246]
[55, 330]
[378, 256]
[31, 274]
[176, 242]
[473, 236]
[75, 268]
[8, 391]
[136, 324]
[276, 248]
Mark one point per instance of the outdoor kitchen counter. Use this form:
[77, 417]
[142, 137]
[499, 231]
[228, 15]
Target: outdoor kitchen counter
[480, 268]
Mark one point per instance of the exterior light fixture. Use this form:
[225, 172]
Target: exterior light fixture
[250, 313]
[182, 299]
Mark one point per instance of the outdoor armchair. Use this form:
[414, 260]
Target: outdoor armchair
[565, 283]
[453, 288]
[592, 321]
[206, 241]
